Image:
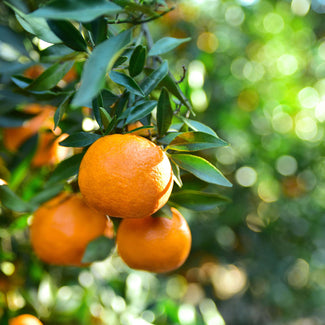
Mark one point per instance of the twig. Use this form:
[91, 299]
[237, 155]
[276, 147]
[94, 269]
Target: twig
[183, 76]
[138, 22]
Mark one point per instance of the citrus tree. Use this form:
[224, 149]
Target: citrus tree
[89, 103]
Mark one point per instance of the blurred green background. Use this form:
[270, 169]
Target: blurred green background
[255, 73]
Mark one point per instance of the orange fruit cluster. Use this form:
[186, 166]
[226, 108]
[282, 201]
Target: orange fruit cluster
[124, 176]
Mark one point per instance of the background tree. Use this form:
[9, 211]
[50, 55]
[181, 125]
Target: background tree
[253, 71]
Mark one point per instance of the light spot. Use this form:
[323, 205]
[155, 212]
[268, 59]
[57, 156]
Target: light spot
[7, 268]
[298, 274]
[199, 100]
[306, 128]
[320, 111]
[210, 313]
[196, 73]
[207, 42]
[234, 15]
[186, 314]
[308, 97]
[321, 50]
[287, 64]
[225, 236]
[228, 281]
[246, 176]
[118, 304]
[273, 23]
[282, 122]
[86, 279]
[286, 165]
[300, 7]
[268, 190]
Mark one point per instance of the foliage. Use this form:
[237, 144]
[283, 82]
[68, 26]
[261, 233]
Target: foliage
[254, 71]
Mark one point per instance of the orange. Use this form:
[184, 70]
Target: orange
[138, 124]
[125, 176]
[63, 227]
[14, 137]
[34, 71]
[154, 244]
[25, 319]
[48, 151]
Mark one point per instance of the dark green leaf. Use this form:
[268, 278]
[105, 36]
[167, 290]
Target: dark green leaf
[69, 35]
[129, 83]
[164, 212]
[137, 60]
[81, 139]
[174, 89]
[61, 110]
[164, 112]
[197, 126]
[66, 169]
[153, 80]
[169, 138]
[201, 168]
[96, 104]
[197, 201]
[194, 141]
[80, 10]
[55, 52]
[35, 26]
[100, 60]
[120, 61]
[98, 30]
[105, 117]
[140, 111]
[177, 174]
[111, 125]
[12, 201]
[98, 249]
[21, 81]
[166, 44]
[46, 194]
[51, 76]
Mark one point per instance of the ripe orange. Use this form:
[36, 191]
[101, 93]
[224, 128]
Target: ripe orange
[48, 151]
[34, 71]
[25, 319]
[125, 176]
[14, 137]
[155, 244]
[62, 228]
[138, 124]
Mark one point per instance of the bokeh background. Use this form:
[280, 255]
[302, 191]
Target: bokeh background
[255, 73]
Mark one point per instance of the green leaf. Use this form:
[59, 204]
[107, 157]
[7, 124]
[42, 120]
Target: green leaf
[174, 89]
[66, 169]
[98, 249]
[80, 10]
[97, 102]
[166, 44]
[169, 138]
[55, 53]
[35, 26]
[129, 83]
[12, 201]
[138, 112]
[197, 126]
[137, 60]
[201, 168]
[100, 60]
[51, 76]
[164, 112]
[111, 125]
[105, 117]
[194, 141]
[153, 80]
[46, 194]
[98, 29]
[80, 139]
[69, 34]
[197, 201]
[61, 110]
[176, 174]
